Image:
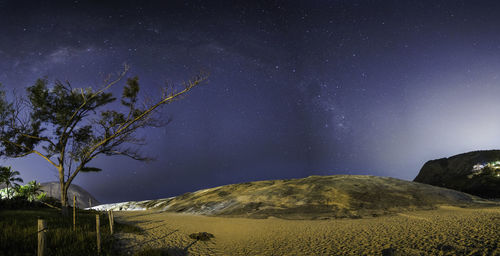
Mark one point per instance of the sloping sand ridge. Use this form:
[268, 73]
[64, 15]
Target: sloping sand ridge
[331, 215]
[314, 197]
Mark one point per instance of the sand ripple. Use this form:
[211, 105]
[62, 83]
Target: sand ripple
[446, 231]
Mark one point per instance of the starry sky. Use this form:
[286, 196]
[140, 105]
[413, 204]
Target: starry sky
[296, 88]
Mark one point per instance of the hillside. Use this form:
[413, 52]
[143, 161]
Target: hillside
[82, 196]
[476, 173]
[337, 196]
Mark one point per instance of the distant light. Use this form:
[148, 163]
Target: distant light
[477, 169]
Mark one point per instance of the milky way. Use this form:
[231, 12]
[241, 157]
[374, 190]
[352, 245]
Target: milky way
[296, 88]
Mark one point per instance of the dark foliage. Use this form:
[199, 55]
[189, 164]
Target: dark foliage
[20, 203]
[69, 127]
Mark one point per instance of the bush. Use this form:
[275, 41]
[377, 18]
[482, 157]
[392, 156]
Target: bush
[20, 202]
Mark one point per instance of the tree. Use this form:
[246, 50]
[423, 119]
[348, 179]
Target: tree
[9, 178]
[69, 127]
[31, 191]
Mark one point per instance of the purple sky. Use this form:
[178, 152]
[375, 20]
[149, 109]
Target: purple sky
[296, 87]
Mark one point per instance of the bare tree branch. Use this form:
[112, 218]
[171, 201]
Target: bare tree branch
[30, 151]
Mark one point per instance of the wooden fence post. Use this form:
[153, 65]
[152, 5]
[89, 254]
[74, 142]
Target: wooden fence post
[42, 244]
[97, 224]
[74, 212]
[111, 221]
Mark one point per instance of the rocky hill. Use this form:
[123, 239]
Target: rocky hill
[476, 173]
[337, 196]
[82, 196]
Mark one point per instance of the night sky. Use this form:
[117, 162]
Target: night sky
[296, 88]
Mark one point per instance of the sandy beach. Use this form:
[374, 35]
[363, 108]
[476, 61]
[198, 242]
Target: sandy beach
[445, 231]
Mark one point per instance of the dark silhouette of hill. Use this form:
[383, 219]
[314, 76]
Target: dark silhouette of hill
[476, 173]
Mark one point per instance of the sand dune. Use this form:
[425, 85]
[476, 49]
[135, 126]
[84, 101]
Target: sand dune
[330, 215]
[314, 197]
[444, 231]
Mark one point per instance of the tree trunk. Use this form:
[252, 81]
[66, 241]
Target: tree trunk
[64, 199]
[64, 191]
[8, 196]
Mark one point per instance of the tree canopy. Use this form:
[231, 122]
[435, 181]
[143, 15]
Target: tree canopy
[69, 127]
[9, 177]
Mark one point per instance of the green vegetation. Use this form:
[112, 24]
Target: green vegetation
[9, 178]
[18, 233]
[31, 191]
[22, 206]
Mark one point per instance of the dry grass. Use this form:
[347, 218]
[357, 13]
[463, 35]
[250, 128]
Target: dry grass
[18, 233]
[445, 231]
